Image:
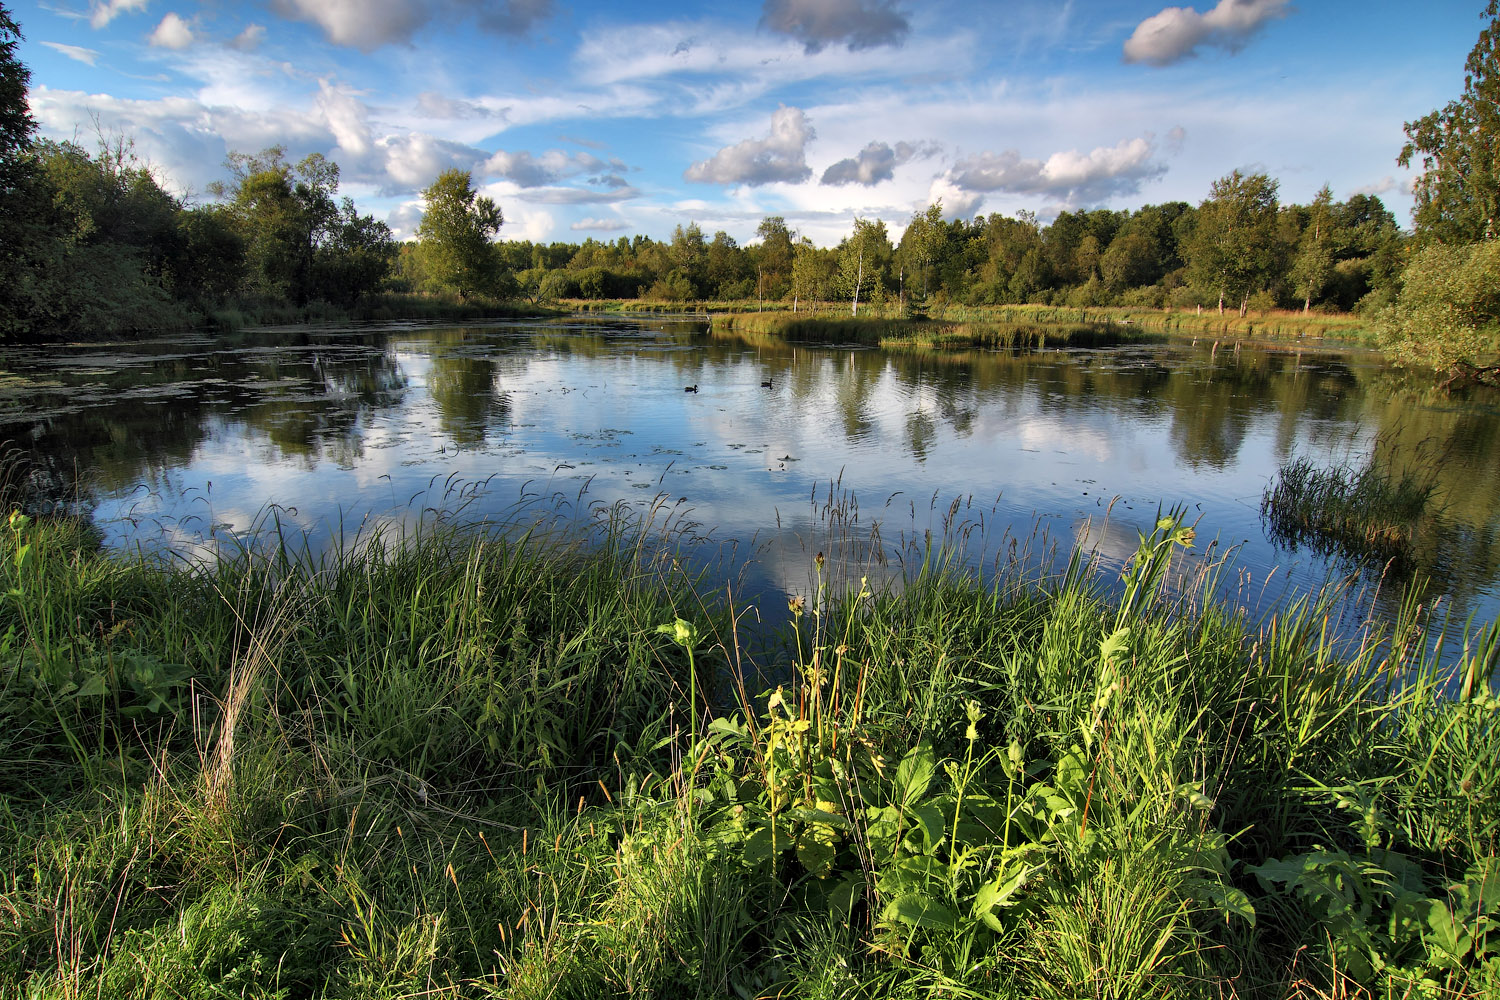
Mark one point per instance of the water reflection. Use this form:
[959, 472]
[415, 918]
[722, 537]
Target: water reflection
[177, 442]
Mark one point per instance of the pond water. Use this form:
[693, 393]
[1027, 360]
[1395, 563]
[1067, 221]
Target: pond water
[781, 452]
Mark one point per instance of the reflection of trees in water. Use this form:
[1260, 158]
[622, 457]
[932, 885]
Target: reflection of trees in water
[466, 391]
[316, 401]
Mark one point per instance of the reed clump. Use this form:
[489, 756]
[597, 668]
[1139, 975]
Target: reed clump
[1359, 511]
[466, 764]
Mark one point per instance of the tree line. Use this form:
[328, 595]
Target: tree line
[1239, 249]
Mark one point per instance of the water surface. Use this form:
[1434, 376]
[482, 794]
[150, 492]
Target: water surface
[184, 445]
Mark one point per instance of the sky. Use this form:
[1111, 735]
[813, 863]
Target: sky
[592, 118]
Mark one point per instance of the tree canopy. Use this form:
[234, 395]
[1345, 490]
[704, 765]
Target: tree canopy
[1458, 146]
[455, 232]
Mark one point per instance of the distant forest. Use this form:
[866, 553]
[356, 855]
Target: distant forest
[91, 244]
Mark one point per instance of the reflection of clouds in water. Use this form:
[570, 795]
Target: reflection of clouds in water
[591, 420]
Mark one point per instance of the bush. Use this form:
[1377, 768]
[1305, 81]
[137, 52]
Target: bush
[1447, 314]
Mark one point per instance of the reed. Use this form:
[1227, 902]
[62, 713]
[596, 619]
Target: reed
[1364, 511]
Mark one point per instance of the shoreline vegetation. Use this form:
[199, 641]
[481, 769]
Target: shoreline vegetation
[469, 764]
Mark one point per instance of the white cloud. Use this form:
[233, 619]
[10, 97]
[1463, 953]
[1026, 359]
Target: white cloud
[75, 52]
[859, 24]
[249, 39]
[599, 225]
[369, 24]
[529, 170]
[1176, 32]
[1070, 177]
[780, 156]
[957, 203]
[411, 161]
[346, 117]
[101, 12]
[875, 163]
[534, 224]
[172, 33]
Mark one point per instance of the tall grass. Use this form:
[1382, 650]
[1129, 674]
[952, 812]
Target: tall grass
[470, 765]
[1364, 511]
[897, 332]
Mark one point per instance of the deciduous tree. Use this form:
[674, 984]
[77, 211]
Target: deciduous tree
[456, 232]
[1458, 191]
[1234, 248]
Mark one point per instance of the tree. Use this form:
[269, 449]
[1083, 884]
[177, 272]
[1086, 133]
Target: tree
[301, 243]
[862, 256]
[922, 243]
[1458, 191]
[807, 271]
[16, 124]
[1234, 249]
[1314, 263]
[455, 232]
[23, 238]
[774, 260]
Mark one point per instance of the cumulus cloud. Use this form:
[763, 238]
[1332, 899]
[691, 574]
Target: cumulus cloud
[957, 203]
[875, 163]
[249, 39]
[599, 225]
[172, 33]
[75, 52]
[859, 24]
[577, 196]
[1176, 32]
[529, 170]
[780, 156]
[369, 24]
[412, 160]
[1069, 177]
[101, 12]
[346, 117]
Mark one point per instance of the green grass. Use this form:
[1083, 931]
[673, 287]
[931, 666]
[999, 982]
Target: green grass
[896, 333]
[1368, 511]
[387, 306]
[463, 765]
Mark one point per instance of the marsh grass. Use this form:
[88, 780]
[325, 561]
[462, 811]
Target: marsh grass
[469, 763]
[896, 332]
[1370, 510]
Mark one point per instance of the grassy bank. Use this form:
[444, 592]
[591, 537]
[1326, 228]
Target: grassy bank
[385, 307]
[1008, 326]
[466, 767]
[896, 333]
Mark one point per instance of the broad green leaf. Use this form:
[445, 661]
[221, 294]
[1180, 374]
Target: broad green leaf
[1229, 901]
[815, 849]
[931, 822]
[921, 910]
[915, 773]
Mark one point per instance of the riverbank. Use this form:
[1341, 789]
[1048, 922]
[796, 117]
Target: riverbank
[464, 766]
[1009, 326]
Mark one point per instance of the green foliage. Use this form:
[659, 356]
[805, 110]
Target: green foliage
[1458, 191]
[456, 230]
[1233, 249]
[1447, 315]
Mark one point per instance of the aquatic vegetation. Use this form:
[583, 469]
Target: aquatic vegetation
[1364, 511]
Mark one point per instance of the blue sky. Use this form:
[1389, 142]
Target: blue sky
[585, 118]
